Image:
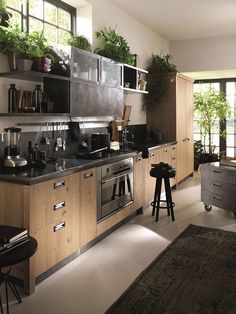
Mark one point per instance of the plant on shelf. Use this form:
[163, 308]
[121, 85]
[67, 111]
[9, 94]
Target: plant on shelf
[40, 51]
[4, 14]
[114, 46]
[160, 75]
[79, 41]
[210, 106]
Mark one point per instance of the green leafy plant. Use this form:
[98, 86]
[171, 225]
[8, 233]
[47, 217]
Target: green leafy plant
[159, 78]
[79, 41]
[3, 6]
[37, 45]
[12, 39]
[210, 106]
[114, 46]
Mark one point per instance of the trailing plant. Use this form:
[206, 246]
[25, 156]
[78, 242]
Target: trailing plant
[209, 106]
[159, 78]
[79, 41]
[114, 46]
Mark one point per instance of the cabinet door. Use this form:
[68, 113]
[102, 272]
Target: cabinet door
[138, 182]
[62, 239]
[111, 73]
[88, 206]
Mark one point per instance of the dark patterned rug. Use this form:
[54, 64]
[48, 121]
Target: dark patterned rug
[196, 273]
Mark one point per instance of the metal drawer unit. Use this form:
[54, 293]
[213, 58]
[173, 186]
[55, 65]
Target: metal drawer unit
[218, 186]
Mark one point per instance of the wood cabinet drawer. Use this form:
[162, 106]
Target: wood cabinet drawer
[62, 239]
[215, 186]
[62, 207]
[62, 187]
[223, 200]
[219, 174]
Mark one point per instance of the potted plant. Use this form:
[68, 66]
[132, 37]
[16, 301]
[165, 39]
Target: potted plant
[161, 73]
[114, 46]
[79, 41]
[4, 14]
[39, 51]
[198, 151]
[13, 43]
[209, 107]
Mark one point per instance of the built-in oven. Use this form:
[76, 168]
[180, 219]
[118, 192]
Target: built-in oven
[114, 187]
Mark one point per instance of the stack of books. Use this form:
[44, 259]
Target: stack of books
[11, 237]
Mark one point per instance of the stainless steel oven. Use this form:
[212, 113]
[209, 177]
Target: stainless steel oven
[114, 187]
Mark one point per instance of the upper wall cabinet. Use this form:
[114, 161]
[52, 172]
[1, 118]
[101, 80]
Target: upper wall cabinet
[111, 73]
[134, 79]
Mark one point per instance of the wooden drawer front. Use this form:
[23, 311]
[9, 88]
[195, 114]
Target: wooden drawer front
[62, 239]
[56, 210]
[215, 186]
[218, 174]
[62, 187]
[224, 201]
[166, 155]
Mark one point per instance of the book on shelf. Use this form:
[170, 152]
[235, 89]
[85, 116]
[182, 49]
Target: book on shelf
[9, 234]
[7, 247]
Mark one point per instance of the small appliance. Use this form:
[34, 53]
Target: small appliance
[11, 140]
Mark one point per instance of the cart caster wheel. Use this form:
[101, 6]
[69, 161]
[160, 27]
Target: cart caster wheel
[208, 208]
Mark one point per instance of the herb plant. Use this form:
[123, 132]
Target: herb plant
[79, 41]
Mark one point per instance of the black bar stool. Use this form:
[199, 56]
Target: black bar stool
[11, 257]
[162, 171]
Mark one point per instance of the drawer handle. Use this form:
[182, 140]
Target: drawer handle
[165, 150]
[173, 158]
[59, 226]
[138, 158]
[59, 205]
[88, 175]
[59, 184]
[173, 148]
[216, 171]
[219, 198]
[217, 184]
[152, 155]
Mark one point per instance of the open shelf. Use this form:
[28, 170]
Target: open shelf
[33, 76]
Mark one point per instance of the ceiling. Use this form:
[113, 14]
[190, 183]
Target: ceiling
[183, 19]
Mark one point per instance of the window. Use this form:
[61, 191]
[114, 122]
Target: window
[54, 17]
[228, 86]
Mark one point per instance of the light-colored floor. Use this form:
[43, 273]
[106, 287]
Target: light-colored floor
[92, 282]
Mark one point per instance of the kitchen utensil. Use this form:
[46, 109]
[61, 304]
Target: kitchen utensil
[54, 135]
[43, 138]
[64, 136]
[48, 139]
[59, 139]
[94, 154]
[100, 140]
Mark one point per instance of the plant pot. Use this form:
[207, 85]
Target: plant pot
[42, 64]
[12, 60]
[205, 158]
[23, 64]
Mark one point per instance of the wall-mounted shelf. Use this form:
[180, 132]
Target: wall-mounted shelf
[32, 76]
[135, 78]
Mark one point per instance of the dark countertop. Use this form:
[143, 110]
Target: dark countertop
[64, 166]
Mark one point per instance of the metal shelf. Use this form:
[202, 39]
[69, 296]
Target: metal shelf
[33, 76]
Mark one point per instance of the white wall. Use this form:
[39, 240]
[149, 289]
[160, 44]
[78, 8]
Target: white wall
[209, 54]
[140, 38]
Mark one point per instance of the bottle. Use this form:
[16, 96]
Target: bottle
[30, 152]
[12, 99]
[38, 98]
[36, 152]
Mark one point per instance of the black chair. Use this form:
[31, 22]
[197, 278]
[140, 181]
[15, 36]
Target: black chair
[14, 255]
[162, 171]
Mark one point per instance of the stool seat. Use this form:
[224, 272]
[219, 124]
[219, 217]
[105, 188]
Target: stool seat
[12, 256]
[162, 171]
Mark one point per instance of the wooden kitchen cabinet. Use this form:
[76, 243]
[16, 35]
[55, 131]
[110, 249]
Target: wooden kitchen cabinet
[174, 115]
[87, 206]
[138, 182]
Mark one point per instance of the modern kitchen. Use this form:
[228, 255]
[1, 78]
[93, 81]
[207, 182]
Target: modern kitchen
[79, 138]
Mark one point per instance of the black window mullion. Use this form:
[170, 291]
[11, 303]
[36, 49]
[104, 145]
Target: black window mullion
[222, 123]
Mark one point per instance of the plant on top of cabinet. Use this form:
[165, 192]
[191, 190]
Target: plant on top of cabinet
[79, 41]
[114, 46]
[209, 106]
[159, 78]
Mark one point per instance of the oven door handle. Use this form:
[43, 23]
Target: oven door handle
[116, 177]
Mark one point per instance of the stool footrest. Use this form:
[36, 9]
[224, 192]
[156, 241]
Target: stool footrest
[162, 201]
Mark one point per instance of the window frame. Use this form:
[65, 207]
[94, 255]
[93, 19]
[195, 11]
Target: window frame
[58, 3]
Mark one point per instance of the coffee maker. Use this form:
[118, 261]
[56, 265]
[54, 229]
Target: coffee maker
[11, 140]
